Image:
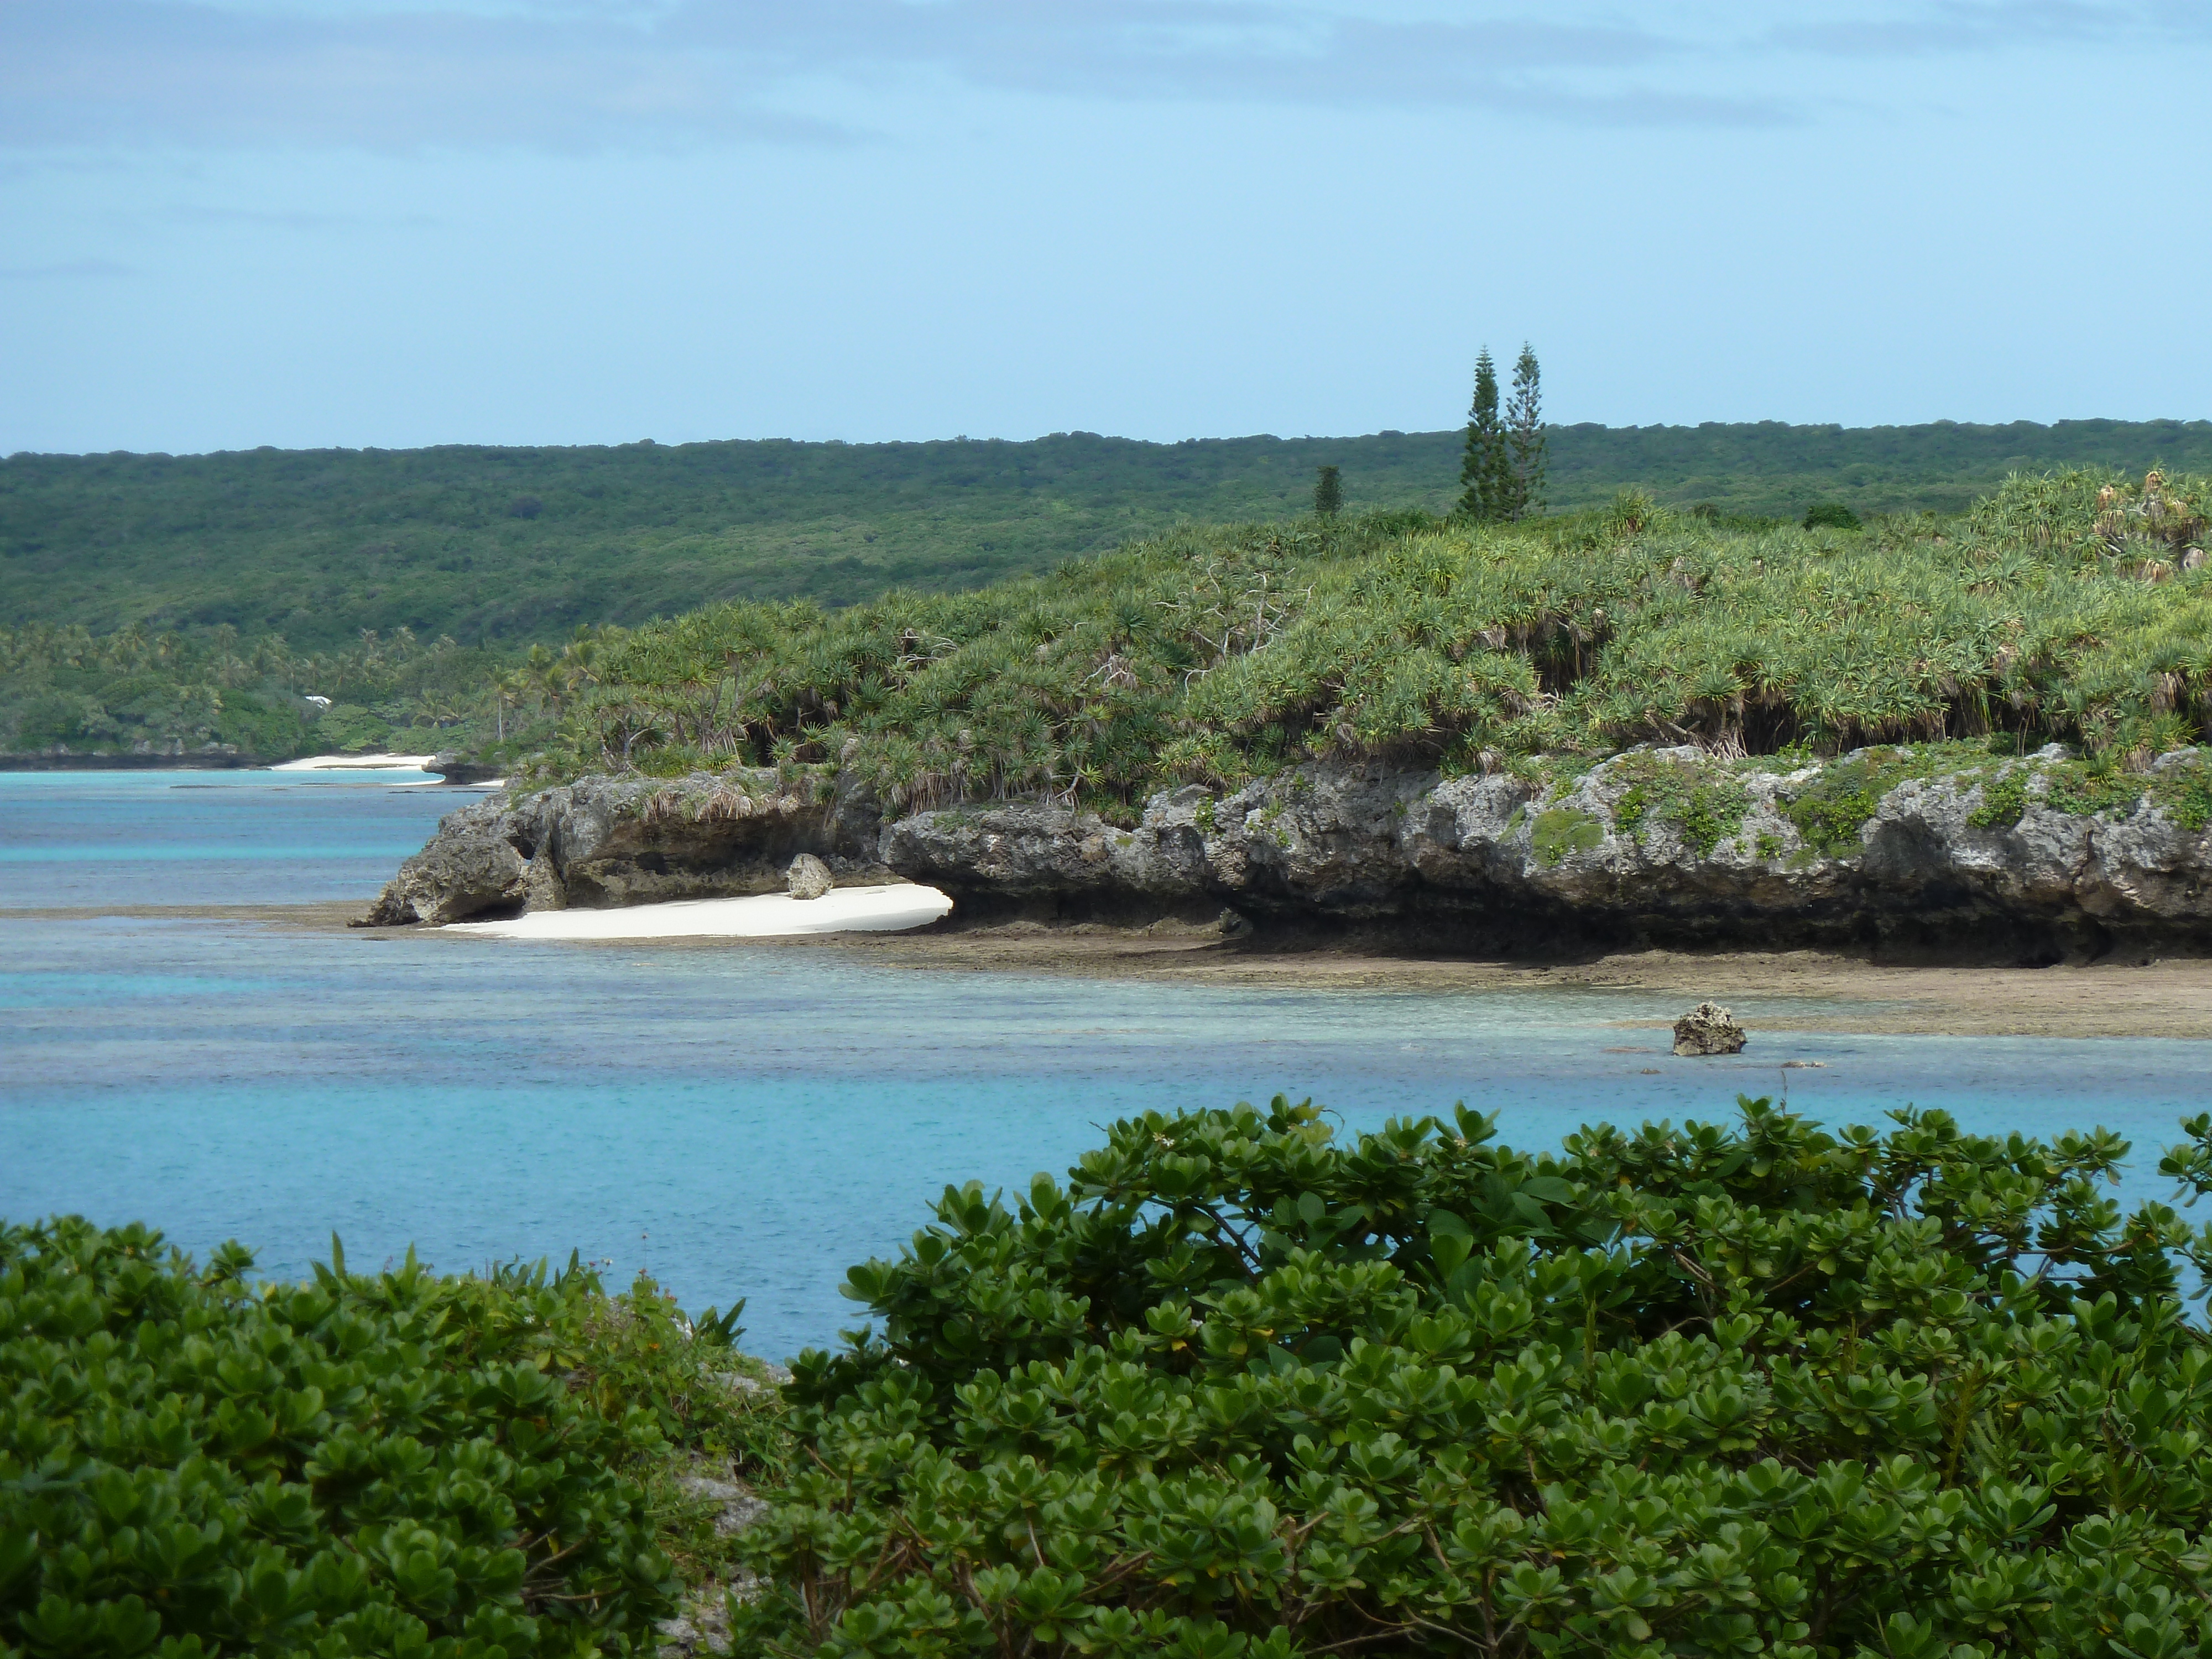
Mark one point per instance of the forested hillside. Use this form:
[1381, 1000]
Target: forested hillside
[490, 545]
[2072, 606]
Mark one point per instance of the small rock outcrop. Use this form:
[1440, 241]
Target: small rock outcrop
[1709, 1028]
[602, 843]
[702, 1624]
[808, 877]
[471, 866]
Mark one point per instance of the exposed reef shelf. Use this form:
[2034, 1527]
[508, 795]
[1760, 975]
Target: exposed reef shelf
[1958, 852]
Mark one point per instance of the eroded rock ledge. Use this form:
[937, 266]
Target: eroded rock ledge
[2012, 859]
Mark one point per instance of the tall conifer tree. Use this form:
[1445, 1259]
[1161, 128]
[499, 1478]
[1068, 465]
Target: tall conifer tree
[1524, 433]
[1486, 474]
[1328, 492]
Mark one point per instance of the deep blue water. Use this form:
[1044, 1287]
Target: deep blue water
[741, 1120]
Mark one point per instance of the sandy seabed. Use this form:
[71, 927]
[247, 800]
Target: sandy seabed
[2167, 997]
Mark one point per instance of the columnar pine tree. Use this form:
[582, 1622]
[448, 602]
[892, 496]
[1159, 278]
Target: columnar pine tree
[1487, 473]
[1328, 492]
[1524, 431]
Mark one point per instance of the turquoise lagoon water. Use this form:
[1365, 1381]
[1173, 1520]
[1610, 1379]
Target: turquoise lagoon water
[740, 1119]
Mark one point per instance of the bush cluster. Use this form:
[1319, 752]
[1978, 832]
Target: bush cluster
[1243, 1389]
[396, 1464]
[2073, 608]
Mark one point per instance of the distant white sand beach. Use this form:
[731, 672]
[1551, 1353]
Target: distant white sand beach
[768, 915]
[357, 764]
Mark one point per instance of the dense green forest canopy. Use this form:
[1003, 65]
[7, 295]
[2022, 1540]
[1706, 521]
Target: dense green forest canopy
[519, 545]
[171, 693]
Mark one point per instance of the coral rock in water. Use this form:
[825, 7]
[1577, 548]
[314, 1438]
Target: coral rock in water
[1708, 1029]
[808, 876]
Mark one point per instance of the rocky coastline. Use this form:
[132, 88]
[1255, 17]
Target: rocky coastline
[1897, 852]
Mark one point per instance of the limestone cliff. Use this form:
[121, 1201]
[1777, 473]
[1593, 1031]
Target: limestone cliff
[2030, 858]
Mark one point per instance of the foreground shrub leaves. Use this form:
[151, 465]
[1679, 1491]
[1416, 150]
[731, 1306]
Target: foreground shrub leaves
[402, 1464]
[1242, 1391]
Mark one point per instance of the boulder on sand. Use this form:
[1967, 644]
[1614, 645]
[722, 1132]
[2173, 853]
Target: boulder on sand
[808, 876]
[1709, 1028]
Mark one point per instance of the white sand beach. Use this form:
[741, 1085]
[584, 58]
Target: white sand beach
[768, 915]
[357, 764]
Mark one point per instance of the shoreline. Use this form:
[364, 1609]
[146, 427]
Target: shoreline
[2164, 998]
[460, 775]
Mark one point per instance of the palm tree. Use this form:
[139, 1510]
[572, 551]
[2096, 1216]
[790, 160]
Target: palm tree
[507, 687]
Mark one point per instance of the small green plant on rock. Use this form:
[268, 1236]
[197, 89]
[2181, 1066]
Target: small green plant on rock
[2003, 799]
[1830, 810]
[2183, 792]
[2096, 788]
[1562, 830]
[1705, 805]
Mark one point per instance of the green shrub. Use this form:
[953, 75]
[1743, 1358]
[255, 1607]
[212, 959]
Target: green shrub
[58, 717]
[1216, 655]
[2003, 799]
[2094, 787]
[396, 1464]
[348, 729]
[1830, 515]
[1240, 1389]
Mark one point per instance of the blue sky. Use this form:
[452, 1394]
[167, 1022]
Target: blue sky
[304, 222]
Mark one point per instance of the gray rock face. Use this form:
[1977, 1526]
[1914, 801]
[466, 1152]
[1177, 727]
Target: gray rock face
[606, 842]
[808, 877]
[1708, 1029]
[702, 1624]
[542, 887]
[469, 867]
[1486, 863]
[1633, 850]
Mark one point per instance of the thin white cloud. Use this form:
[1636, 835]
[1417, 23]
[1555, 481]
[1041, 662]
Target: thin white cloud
[108, 71]
[1981, 26]
[585, 75]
